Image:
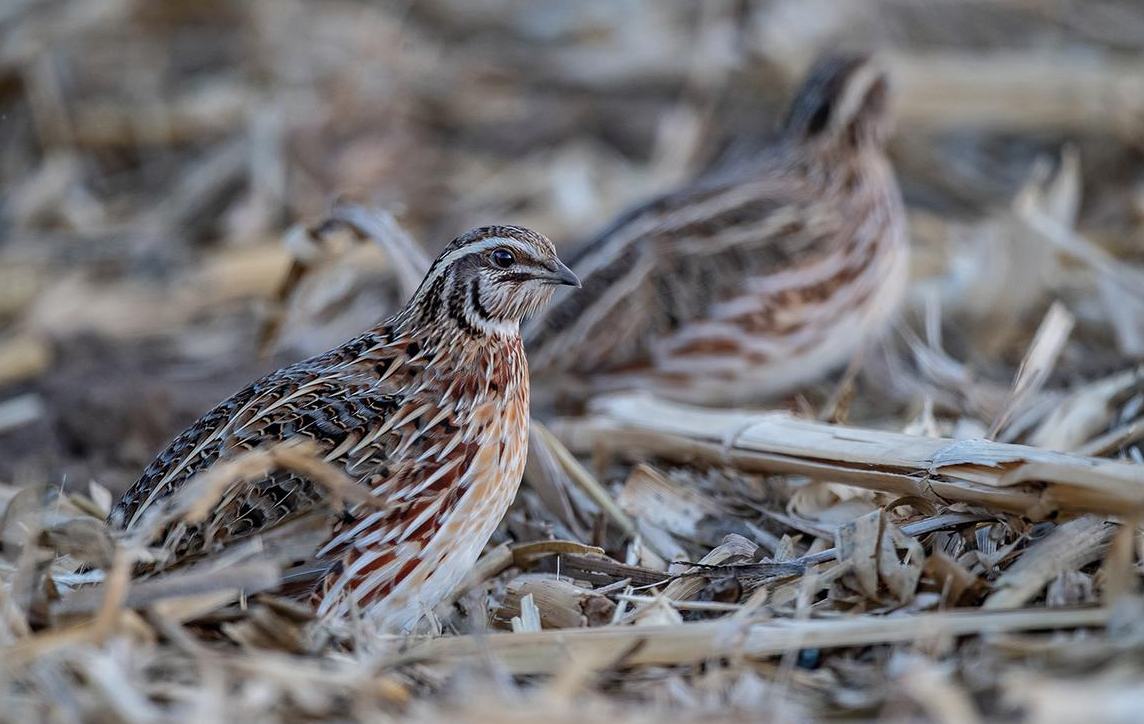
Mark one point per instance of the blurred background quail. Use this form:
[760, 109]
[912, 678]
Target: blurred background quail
[757, 279]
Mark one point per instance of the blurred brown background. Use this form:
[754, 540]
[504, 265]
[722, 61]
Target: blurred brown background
[152, 155]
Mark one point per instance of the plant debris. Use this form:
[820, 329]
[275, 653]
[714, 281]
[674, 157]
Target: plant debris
[949, 530]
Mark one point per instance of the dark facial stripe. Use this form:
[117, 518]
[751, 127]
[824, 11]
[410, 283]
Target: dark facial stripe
[475, 298]
[515, 277]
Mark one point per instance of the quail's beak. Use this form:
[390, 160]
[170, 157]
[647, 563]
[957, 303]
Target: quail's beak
[560, 274]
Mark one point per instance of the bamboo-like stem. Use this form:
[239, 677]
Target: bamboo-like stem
[1012, 478]
[550, 651]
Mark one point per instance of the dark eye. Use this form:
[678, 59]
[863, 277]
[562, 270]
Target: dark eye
[503, 258]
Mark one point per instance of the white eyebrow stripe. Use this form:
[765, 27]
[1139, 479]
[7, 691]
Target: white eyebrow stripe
[527, 251]
[492, 242]
[489, 244]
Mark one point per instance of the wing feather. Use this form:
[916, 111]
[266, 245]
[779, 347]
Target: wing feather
[351, 415]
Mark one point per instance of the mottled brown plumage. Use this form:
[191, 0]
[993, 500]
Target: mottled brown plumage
[428, 410]
[752, 281]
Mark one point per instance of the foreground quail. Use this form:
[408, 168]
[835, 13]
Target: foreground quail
[751, 282]
[428, 411]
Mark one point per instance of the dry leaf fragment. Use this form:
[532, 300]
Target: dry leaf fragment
[884, 560]
[956, 582]
[561, 603]
[1069, 547]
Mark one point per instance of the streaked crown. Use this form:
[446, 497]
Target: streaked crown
[844, 100]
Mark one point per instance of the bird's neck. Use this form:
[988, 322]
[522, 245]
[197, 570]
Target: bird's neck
[453, 327]
[480, 364]
[447, 342]
[451, 309]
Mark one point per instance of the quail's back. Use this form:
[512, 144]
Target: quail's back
[428, 411]
[752, 281]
